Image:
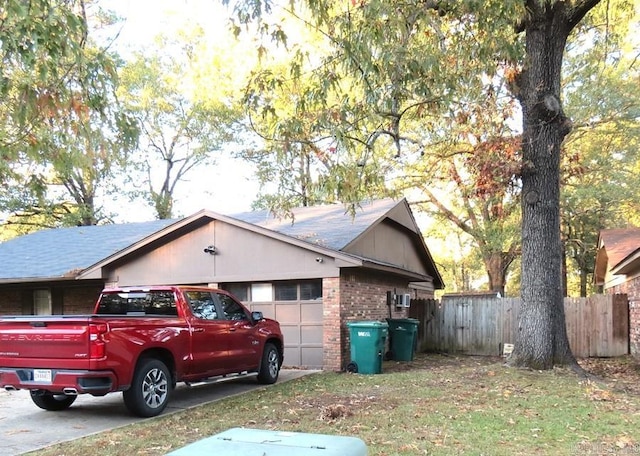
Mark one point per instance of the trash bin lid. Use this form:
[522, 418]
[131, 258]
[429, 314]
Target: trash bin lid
[414, 321]
[367, 324]
[257, 442]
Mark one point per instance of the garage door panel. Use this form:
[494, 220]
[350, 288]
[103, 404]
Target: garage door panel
[301, 323]
[311, 334]
[311, 312]
[268, 310]
[311, 357]
[288, 313]
[292, 357]
[291, 334]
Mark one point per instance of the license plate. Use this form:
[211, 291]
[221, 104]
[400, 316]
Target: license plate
[42, 375]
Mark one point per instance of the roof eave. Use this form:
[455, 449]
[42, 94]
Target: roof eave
[630, 263]
[22, 280]
[396, 270]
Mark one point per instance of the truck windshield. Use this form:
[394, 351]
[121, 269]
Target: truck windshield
[138, 303]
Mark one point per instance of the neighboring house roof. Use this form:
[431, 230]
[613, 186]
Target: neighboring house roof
[616, 247]
[81, 251]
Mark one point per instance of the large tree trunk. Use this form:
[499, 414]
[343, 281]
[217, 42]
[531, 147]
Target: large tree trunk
[542, 340]
[497, 264]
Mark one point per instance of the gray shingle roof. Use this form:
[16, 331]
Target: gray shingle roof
[330, 226]
[57, 252]
[65, 251]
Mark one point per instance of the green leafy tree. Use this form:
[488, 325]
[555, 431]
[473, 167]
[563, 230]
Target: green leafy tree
[63, 132]
[600, 183]
[470, 177]
[408, 62]
[185, 110]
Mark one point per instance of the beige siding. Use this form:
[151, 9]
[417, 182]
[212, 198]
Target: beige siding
[241, 256]
[390, 243]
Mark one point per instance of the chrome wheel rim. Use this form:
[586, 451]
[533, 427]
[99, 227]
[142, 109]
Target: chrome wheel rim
[155, 388]
[273, 363]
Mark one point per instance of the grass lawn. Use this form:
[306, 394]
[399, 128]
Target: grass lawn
[436, 405]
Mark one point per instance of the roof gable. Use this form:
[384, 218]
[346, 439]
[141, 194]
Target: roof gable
[82, 252]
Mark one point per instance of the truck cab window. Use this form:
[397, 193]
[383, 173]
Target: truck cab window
[232, 310]
[138, 303]
[202, 305]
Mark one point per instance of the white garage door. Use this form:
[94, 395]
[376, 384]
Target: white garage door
[301, 323]
[297, 305]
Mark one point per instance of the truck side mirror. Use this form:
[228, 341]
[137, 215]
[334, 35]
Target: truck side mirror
[256, 316]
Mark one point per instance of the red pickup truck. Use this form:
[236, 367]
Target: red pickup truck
[140, 341]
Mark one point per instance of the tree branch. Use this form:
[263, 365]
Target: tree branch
[579, 11]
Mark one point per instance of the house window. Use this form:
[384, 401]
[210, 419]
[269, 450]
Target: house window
[42, 302]
[261, 292]
[307, 290]
[239, 290]
[311, 290]
[286, 292]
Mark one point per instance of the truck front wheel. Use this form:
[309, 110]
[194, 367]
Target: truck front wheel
[150, 389]
[52, 402]
[270, 365]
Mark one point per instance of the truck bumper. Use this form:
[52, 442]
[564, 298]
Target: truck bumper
[97, 383]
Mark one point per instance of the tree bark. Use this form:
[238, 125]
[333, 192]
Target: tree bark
[497, 264]
[542, 341]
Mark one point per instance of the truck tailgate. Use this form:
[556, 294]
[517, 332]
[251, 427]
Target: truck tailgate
[41, 338]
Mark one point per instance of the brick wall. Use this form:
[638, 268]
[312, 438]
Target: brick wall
[332, 335]
[362, 297]
[80, 300]
[632, 290]
[10, 302]
[69, 301]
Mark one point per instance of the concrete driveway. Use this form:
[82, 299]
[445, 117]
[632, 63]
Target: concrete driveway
[25, 427]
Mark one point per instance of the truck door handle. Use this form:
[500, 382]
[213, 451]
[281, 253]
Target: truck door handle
[198, 330]
[232, 329]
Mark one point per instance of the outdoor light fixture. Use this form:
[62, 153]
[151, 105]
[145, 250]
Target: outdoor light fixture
[319, 259]
[211, 250]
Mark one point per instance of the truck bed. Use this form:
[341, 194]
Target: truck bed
[50, 339]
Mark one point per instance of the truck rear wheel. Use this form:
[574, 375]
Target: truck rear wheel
[52, 402]
[270, 365]
[150, 389]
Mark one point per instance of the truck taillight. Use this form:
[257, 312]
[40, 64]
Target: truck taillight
[96, 340]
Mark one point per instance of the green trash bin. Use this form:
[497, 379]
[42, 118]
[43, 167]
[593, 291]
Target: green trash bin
[368, 340]
[403, 335]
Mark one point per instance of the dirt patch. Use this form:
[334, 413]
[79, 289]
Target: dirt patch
[332, 407]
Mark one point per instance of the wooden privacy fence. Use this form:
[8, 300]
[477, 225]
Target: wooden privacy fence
[597, 326]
